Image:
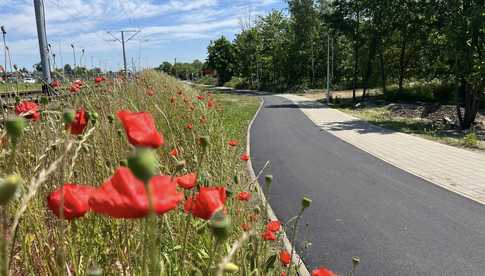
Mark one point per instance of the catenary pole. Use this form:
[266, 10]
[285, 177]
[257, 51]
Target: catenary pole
[42, 36]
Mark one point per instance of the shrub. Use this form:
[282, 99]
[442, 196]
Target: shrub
[471, 140]
[422, 92]
[237, 83]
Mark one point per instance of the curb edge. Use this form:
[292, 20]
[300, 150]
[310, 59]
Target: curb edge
[302, 270]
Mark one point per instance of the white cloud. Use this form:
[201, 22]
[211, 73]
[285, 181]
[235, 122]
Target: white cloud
[85, 22]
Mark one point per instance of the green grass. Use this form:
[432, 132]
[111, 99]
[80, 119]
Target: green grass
[46, 245]
[382, 117]
[12, 87]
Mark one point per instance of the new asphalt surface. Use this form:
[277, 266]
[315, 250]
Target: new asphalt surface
[397, 223]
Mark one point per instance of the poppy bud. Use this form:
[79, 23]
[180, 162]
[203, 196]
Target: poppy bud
[17, 99]
[8, 187]
[93, 116]
[220, 224]
[143, 164]
[268, 179]
[231, 268]
[120, 132]
[69, 115]
[305, 202]
[44, 100]
[15, 127]
[204, 141]
[111, 119]
[235, 179]
[95, 271]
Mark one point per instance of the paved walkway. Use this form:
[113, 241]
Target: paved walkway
[458, 170]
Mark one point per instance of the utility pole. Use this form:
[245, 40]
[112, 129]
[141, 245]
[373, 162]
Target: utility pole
[81, 59]
[74, 55]
[123, 41]
[328, 68]
[42, 36]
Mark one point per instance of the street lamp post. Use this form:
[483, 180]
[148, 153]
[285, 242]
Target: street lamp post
[4, 33]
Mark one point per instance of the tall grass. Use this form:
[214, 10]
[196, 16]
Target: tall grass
[47, 156]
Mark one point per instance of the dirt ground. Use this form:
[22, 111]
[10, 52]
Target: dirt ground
[442, 116]
[315, 94]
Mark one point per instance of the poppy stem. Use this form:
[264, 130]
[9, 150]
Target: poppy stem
[154, 266]
[213, 253]
[186, 230]
[3, 244]
[293, 237]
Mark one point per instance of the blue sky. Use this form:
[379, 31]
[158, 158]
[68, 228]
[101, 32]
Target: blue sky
[171, 29]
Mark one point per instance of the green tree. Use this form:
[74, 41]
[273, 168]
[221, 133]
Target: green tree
[303, 22]
[221, 58]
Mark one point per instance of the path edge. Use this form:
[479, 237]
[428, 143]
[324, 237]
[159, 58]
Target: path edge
[302, 270]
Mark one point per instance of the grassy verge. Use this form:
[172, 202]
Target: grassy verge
[12, 87]
[382, 117]
[175, 243]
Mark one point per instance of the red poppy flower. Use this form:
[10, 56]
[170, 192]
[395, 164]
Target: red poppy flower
[283, 273]
[99, 80]
[56, 84]
[140, 129]
[200, 97]
[269, 235]
[74, 88]
[75, 203]
[150, 92]
[189, 126]
[80, 122]
[244, 196]
[244, 157]
[124, 196]
[233, 143]
[174, 152]
[179, 91]
[206, 203]
[285, 257]
[78, 83]
[29, 110]
[187, 181]
[246, 227]
[210, 104]
[322, 271]
[273, 226]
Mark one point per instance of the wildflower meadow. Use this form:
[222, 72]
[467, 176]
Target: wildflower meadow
[147, 177]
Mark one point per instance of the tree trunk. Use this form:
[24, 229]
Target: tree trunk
[356, 55]
[368, 72]
[469, 102]
[401, 65]
[382, 65]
